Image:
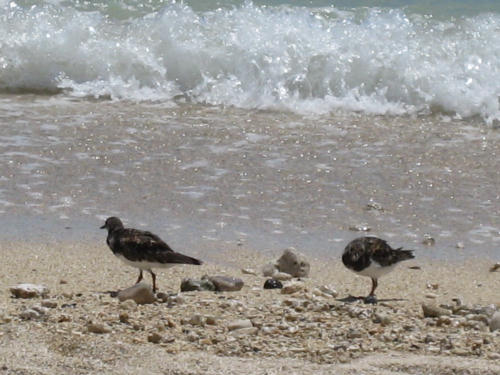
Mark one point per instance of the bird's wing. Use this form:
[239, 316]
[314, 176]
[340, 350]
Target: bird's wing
[385, 255]
[145, 246]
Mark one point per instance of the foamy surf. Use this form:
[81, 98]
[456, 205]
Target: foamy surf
[299, 59]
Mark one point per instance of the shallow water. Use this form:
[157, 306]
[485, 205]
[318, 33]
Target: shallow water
[197, 174]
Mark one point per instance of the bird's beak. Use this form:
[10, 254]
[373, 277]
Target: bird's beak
[103, 227]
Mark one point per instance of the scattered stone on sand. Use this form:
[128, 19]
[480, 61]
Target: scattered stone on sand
[249, 271]
[29, 314]
[190, 285]
[292, 287]
[433, 311]
[239, 324]
[269, 269]
[382, 318]
[495, 267]
[124, 317]
[293, 263]
[329, 290]
[26, 290]
[48, 303]
[98, 328]
[374, 206]
[140, 293]
[360, 228]
[154, 337]
[460, 245]
[282, 276]
[225, 283]
[273, 284]
[494, 322]
[428, 240]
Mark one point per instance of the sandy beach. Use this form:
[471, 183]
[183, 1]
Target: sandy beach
[292, 333]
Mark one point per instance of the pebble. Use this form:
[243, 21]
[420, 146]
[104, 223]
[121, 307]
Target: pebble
[244, 331]
[98, 328]
[225, 283]
[495, 321]
[123, 317]
[431, 295]
[239, 324]
[282, 276]
[382, 318]
[29, 314]
[211, 320]
[269, 269]
[154, 337]
[273, 284]
[428, 240]
[140, 293]
[190, 285]
[460, 245]
[249, 271]
[360, 228]
[329, 290]
[292, 287]
[433, 311]
[293, 263]
[197, 320]
[29, 290]
[48, 303]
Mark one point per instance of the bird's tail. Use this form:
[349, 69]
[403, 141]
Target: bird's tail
[404, 254]
[183, 259]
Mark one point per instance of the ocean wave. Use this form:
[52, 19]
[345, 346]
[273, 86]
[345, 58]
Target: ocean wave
[306, 60]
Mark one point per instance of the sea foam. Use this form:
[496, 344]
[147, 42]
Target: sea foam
[305, 60]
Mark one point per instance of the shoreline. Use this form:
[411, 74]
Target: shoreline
[304, 331]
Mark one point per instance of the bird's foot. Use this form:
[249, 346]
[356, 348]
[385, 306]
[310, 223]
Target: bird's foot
[371, 299]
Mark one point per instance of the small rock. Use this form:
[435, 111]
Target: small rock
[273, 284]
[244, 331]
[197, 320]
[225, 283]
[433, 311]
[29, 291]
[293, 263]
[428, 240]
[140, 293]
[128, 305]
[190, 285]
[269, 269]
[211, 320]
[192, 336]
[239, 324]
[282, 276]
[495, 321]
[360, 228]
[163, 297]
[374, 206]
[460, 245]
[431, 295]
[249, 271]
[292, 287]
[49, 304]
[124, 317]
[98, 328]
[62, 282]
[382, 318]
[328, 290]
[29, 314]
[154, 337]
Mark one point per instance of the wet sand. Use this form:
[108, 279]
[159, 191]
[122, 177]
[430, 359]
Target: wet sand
[295, 333]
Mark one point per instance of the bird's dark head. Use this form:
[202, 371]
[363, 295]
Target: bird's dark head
[112, 223]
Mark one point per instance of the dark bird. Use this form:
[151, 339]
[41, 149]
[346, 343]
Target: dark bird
[373, 257]
[142, 249]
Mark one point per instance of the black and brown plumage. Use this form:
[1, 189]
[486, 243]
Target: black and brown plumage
[142, 249]
[373, 257]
